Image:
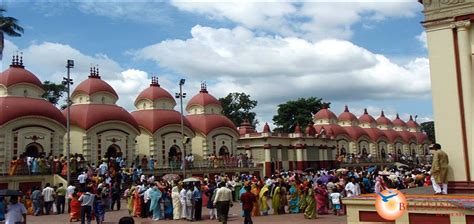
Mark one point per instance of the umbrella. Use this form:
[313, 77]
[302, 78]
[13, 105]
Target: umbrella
[7, 192]
[199, 178]
[325, 179]
[298, 171]
[400, 165]
[341, 170]
[171, 177]
[309, 170]
[371, 169]
[191, 179]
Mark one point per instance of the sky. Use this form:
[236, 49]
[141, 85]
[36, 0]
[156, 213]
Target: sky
[364, 54]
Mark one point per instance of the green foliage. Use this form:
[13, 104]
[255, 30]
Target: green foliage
[238, 107]
[53, 92]
[8, 26]
[299, 111]
[429, 128]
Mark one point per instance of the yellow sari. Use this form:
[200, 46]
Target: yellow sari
[256, 207]
[263, 200]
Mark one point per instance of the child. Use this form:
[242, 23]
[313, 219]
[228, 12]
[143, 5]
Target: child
[336, 201]
[99, 207]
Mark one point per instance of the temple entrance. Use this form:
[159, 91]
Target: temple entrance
[224, 151]
[174, 156]
[33, 150]
[113, 151]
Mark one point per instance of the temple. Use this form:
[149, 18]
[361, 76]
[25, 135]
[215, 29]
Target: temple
[31, 126]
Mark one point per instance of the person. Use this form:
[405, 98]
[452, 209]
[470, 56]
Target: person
[336, 201]
[350, 187]
[129, 195]
[2, 208]
[439, 170]
[294, 199]
[189, 203]
[115, 196]
[60, 198]
[310, 210]
[126, 220]
[82, 180]
[380, 185]
[276, 200]
[99, 207]
[168, 205]
[263, 198]
[197, 202]
[69, 191]
[155, 207]
[223, 201]
[176, 203]
[321, 198]
[16, 212]
[87, 201]
[75, 212]
[182, 199]
[248, 199]
[210, 193]
[36, 197]
[256, 207]
[48, 198]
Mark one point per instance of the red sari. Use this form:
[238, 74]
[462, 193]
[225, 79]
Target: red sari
[75, 209]
[321, 196]
[136, 204]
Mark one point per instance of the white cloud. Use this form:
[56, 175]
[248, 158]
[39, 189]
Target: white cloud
[312, 20]
[422, 38]
[47, 61]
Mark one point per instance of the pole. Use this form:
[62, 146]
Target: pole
[68, 82]
[183, 155]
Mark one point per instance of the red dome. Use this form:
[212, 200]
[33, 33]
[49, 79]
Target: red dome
[246, 128]
[93, 85]
[203, 98]
[399, 122]
[408, 136]
[411, 123]
[205, 123]
[324, 113]
[17, 74]
[88, 115]
[152, 120]
[366, 118]
[392, 135]
[154, 92]
[16, 107]
[355, 132]
[375, 134]
[333, 130]
[421, 137]
[347, 116]
[382, 120]
[310, 130]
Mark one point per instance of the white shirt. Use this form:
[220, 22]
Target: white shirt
[357, 189]
[335, 198]
[146, 195]
[15, 213]
[223, 194]
[70, 190]
[48, 194]
[82, 178]
[350, 189]
[182, 196]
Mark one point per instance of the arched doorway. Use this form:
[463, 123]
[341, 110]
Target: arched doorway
[113, 151]
[224, 151]
[174, 156]
[33, 150]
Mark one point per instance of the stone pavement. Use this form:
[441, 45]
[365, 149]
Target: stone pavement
[234, 217]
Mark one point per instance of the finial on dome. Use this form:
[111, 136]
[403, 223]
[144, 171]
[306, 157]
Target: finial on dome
[94, 72]
[324, 106]
[382, 114]
[17, 61]
[154, 81]
[97, 71]
[346, 109]
[398, 117]
[411, 118]
[365, 111]
[203, 87]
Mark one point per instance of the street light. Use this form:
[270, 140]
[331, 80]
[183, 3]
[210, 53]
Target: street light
[67, 81]
[182, 95]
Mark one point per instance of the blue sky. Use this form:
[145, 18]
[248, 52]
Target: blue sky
[363, 54]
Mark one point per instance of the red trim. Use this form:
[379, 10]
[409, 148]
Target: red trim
[462, 187]
[461, 105]
[429, 218]
[469, 218]
[368, 216]
[268, 169]
[280, 165]
[299, 165]
[469, 17]
[290, 165]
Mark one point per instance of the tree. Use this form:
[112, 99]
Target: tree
[300, 112]
[238, 107]
[8, 26]
[53, 92]
[429, 128]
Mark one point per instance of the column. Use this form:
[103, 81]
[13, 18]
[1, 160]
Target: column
[299, 157]
[305, 156]
[291, 158]
[279, 158]
[268, 159]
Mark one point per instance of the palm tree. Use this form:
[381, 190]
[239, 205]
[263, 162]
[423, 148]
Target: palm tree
[9, 26]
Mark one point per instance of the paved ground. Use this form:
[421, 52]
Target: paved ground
[114, 216]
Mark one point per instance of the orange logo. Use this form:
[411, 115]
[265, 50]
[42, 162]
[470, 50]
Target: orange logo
[390, 204]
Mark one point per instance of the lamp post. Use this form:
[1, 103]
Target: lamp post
[67, 81]
[182, 95]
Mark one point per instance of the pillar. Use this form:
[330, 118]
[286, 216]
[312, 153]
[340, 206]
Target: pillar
[291, 158]
[268, 159]
[299, 157]
[279, 158]
[305, 156]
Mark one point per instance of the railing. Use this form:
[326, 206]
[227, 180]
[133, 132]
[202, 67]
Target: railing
[406, 160]
[206, 165]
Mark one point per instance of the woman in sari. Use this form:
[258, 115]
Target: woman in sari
[75, 214]
[168, 205]
[302, 202]
[73, 164]
[256, 206]
[64, 168]
[129, 194]
[263, 198]
[321, 199]
[13, 166]
[155, 205]
[294, 199]
[35, 166]
[137, 208]
[176, 203]
[42, 166]
[99, 207]
[283, 200]
[276, 200]
[310, 210]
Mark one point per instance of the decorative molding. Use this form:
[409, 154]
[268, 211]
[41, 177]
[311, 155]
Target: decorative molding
[451, 2]
[462, 24]
[443, 9]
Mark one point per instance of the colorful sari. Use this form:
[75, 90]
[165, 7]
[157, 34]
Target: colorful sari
[137, 208]
[310, 210]
[129, 195]
[263, 198]
[168, 206]
[276, 200]
[75, 209]
[155, 205]
[13, 166]
[176, 203]
[322, 200]
[256, 206]
[294, 199]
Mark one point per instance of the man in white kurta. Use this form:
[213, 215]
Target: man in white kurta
[182, 199]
